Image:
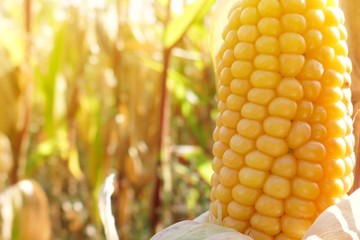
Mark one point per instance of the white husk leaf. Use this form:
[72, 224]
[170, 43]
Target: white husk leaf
[340, 221]
[198, 229]
[104, 204]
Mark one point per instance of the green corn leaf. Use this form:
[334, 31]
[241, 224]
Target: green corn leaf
[178, 26]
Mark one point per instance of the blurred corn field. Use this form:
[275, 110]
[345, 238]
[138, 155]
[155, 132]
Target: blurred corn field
[93, 87]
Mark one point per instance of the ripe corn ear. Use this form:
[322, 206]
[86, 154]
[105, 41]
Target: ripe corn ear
[283, 142]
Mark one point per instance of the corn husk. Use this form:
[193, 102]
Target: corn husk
[25, 212]
[340, 221]
[199, 229]
[219, 20]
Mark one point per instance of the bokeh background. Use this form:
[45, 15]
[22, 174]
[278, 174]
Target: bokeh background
[93, 87]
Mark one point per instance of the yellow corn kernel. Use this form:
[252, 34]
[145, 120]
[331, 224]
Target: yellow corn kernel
[299, 134]
[261, 96]
[294, 227]
[235, 102]
[253, 111]
[269, 206]
[348, 181]
[282, 107]
[223, 93]
[268, 45]
[230, 118]
[304, 111]
[267, 62]
[218, 209]
[217, 164]
[241, 145]
[319, 114]
[234, 15]
[331, 187]
[291, 64]
[335, 147]
[309, 170]
[219, 148]
[222, 107]
[312, 70]
[335, 168]
[245, 195]
[277, 127]
[292, 43]
[265, 79]
[225, 134]
[247, 33]
[249, 128]
[315, 18]
[268, 225]
[336, 128]
[299, 208]
[304, 188]
[349, 124]
[285, 166]
[343, 32]
[330, 95]
[231, 39]
[324, 54]
[223, 194]
[212, 193]
[311, 151]
[232, 159]
[341, 48]
[331, 35]
[269, 8]
[349, 163]
[293, 6]
[273, 146]
[235, 224]
[311, 89]
[293, 23]
[283, 236]
[259, 160]
[269, 26]
[245, 51]
[350, 144]
[249, 15]
[338, 64]
[277, 187]
[323, 202]
[241, 69]
[335, 110]
[228, 57]
[240, 86]
[252, 178]
[216, 134]
[226, 76]
[319, 4]
[240, 212]
[313, 39]
[228, 177]
[214, 181]
[290, 88]
[257, 234]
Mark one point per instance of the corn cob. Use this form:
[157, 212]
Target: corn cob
[283, 141]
